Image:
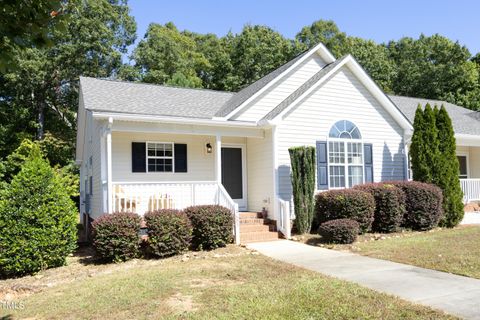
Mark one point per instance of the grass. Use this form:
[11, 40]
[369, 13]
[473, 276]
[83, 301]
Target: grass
[451, 250]
[230, 283]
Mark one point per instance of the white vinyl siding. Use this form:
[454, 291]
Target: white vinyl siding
[269, 99]
[342, 97]
[260, 173]
[93, 170]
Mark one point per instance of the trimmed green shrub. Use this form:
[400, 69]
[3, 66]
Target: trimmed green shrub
[423, 204]
[38, 220]
[352, 204]
[116, 236]
[302, 161]
[389, 206]
[339, 231]
[212, 226]
[169, 232]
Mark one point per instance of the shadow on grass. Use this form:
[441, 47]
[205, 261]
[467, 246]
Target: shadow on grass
[86, 256]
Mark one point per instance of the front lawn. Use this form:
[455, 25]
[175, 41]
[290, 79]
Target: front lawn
[227, 283]
[451, 250]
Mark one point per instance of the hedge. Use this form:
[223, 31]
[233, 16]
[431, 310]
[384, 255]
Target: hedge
[339, 231]
[169, 232]
[352, 204]
[212, 226]
[389, 205]
[116, 236]
[423, 203]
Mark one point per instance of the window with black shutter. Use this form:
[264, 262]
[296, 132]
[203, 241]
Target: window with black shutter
[159, 157]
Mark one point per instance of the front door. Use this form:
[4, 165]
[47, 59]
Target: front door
[233, 175]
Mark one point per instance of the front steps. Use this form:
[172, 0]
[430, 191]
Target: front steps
[255, 229]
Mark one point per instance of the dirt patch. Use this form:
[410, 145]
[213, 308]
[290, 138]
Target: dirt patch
[15, 291]
[181, 303]
[206, 283]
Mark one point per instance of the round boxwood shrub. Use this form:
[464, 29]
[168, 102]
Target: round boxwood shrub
[38, 220]
[389, 205]
[116, 236]
[352, 204]
[339, 231]
[423, 204]
[169, 232]
[212, 226]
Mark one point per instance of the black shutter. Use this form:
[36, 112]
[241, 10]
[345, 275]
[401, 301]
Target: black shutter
[180, 157]
[322, 165]
[368, 162]
[139, 157]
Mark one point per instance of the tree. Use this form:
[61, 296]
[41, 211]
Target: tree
[420, 169]
[302, 161]
[41, 95]
[323, 31]
[37, 219]
[447, 177]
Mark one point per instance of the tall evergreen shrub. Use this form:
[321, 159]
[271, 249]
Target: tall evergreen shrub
[302, 161]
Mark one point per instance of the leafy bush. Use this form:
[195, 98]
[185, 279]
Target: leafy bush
[423, 203]
[352, 204]
[389, 205]
[37, 219]
[212, 226]
[116, 236]
[169, 232]
[339, 231]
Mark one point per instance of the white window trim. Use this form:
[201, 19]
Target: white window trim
[465, 154]
[345, 164]
[155, 157]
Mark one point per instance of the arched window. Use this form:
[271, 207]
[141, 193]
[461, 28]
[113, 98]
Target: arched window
[345, 155]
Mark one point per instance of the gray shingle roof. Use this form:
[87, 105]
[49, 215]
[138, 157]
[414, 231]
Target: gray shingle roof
[302, 89]
[241, 96]
[464, 121]
[149, 99]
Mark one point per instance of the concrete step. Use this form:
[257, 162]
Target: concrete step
[253, 221]
[258, 236]
[253, 215]
[245, 228]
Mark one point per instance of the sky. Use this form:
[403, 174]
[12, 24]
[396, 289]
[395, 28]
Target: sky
[378, 20]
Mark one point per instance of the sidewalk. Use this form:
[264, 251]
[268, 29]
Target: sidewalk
[453, 294]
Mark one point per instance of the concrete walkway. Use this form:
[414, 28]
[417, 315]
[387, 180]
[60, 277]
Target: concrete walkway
[453, 294]
[471, 218]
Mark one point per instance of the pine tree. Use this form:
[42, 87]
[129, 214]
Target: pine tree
[447, 176]
[303, 183]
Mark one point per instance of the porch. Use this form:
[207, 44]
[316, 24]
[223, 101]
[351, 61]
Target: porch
[469, 165]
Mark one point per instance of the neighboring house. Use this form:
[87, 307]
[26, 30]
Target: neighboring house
[142, 147]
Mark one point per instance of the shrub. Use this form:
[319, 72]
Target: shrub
[169, 232]
[423, 203]
[389, 205]
[352, 204]
[303, 185]
[116, 236]
[339, 231]
[212, 226]
[37, 219]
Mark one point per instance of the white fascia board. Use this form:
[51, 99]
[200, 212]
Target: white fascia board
[320, 49]
[81, 127]
[467, 140]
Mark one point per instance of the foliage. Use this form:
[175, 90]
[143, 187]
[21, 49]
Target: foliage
[339, 231]
[389, 206]
[212, 226]
[169, 232]
[116, 236]
[37, 218]
[352, 204]
[448, 179]
[423, 204]
[302, 161]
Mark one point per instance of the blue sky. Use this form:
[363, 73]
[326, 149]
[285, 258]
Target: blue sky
[371, 19]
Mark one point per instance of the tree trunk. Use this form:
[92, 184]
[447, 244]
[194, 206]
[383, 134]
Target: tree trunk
[41, 119]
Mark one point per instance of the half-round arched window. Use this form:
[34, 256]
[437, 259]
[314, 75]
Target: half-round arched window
[344, 129]
[345, 155]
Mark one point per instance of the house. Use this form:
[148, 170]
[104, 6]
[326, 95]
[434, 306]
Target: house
[142, 147]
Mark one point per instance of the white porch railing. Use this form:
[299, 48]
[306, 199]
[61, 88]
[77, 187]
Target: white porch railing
[139, 197]
[283, 220]
[471, 189]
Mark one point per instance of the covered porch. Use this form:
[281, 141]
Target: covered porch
[469, 162]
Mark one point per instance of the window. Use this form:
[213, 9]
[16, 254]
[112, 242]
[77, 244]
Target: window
[463, 167]
[159, 157]
[345, 155]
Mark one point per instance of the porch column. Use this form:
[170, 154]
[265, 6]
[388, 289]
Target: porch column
[109, 166]
[218, 158]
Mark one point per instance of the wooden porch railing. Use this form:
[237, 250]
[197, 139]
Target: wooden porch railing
[471, 189]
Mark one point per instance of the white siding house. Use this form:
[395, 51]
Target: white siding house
[142, 147]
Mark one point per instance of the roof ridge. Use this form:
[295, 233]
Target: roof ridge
[159, 85]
